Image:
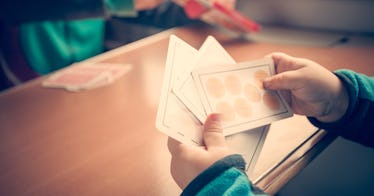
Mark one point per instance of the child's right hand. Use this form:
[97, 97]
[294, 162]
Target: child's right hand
[309, 88]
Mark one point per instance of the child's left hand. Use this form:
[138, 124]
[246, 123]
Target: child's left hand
[189, 161]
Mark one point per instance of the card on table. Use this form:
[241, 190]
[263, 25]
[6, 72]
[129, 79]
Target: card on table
[82, 76]
[237, 93]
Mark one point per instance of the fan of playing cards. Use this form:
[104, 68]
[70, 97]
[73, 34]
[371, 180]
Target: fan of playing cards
[199, 82]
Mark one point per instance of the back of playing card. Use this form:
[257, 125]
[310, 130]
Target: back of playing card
[83, 76]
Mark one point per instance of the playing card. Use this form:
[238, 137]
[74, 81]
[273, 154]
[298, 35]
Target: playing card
[82, 76]
[173, 118]
[211, 53]
[237, 93]
[249, 144]
[112, 71]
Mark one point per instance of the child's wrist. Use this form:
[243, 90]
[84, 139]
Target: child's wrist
[338, 105]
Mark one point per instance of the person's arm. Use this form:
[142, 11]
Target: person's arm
[209, 169]
[357, 124]
[225, 177]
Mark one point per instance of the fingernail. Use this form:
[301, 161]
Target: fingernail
[216, 117]
[266, 82]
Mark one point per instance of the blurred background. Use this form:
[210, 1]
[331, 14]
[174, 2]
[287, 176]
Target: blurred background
[349, 16]
[287, 21]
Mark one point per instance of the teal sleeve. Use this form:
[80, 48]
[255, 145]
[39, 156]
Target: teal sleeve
[52, 45]
[361, 83]
[121, 8]
[357, 124]
[225, 177]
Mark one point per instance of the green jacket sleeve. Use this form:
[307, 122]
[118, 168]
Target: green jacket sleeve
[225, 177]
[357, 124]
[121, 8]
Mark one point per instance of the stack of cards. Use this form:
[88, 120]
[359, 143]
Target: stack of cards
[208, 80]
[82, 76]
[199, 82]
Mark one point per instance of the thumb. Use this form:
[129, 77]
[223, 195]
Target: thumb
[213, 136]
[288, 80]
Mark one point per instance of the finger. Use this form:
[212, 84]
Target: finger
[213, 136]
[290, 80]
[284, 62]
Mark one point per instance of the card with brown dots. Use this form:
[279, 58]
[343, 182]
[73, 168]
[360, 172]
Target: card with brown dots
[237, 93]
[211, 53]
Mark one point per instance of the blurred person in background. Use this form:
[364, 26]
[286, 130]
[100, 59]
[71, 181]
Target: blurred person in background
[38, 37]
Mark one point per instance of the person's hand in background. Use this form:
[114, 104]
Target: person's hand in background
[189, 161]
[213, 16]
[147, 4]
[309, 88]
[228, 3]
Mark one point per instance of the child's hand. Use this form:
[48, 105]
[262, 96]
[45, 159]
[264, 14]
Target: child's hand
[189, 161]
[310, 89]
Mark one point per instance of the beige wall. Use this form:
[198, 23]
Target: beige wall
[336, 15]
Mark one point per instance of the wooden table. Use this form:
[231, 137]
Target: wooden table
[104, 141]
